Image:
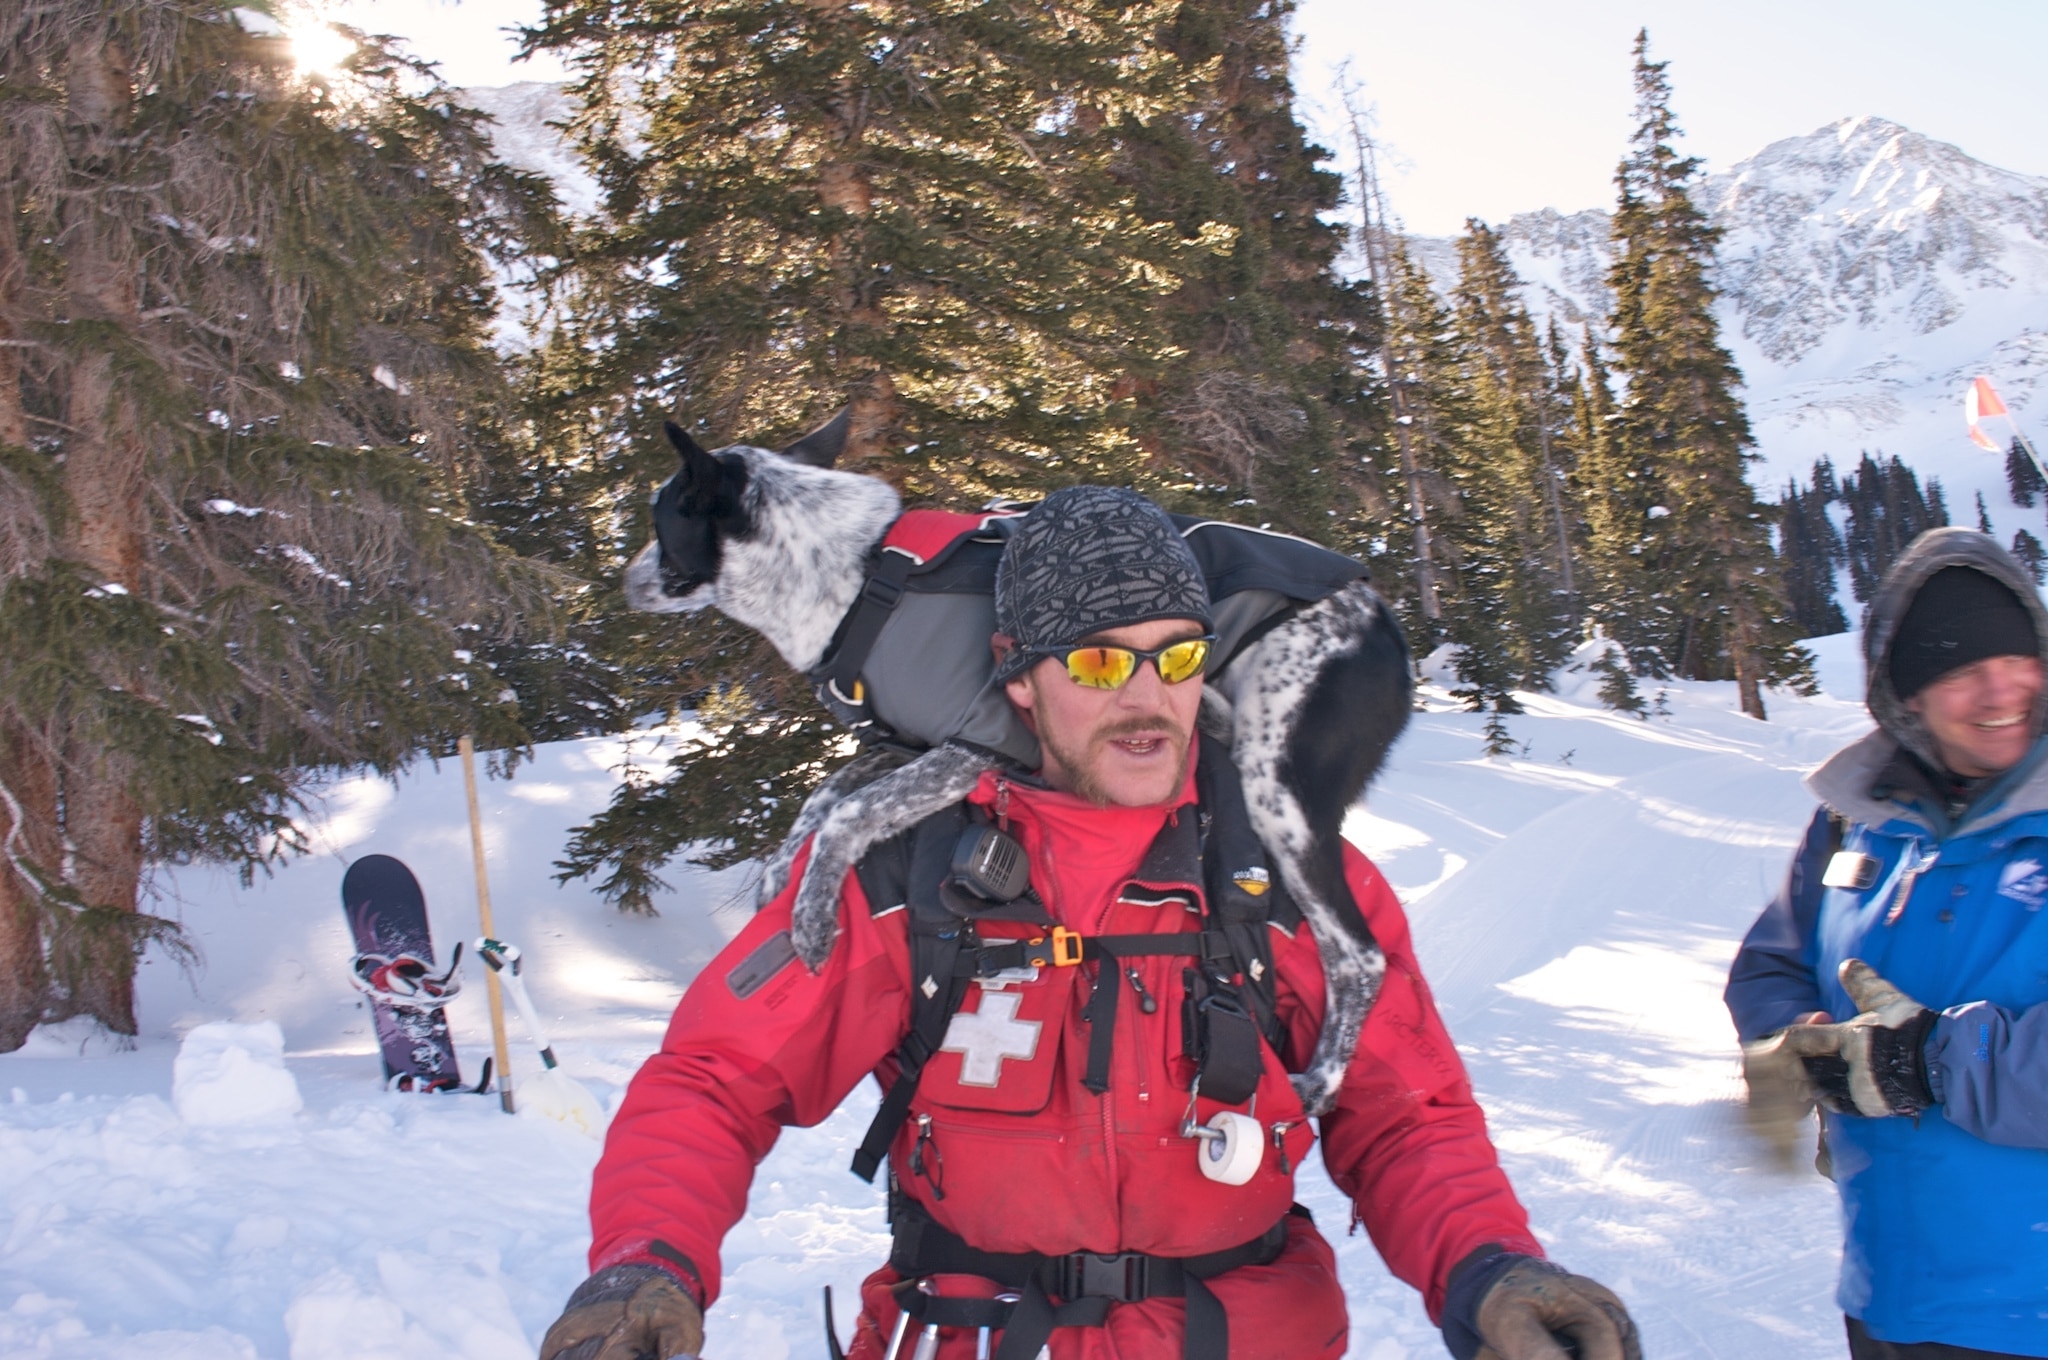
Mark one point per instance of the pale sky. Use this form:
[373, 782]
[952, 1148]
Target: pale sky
[1492, 107]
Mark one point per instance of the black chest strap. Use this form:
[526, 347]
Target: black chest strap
[1071, 1290]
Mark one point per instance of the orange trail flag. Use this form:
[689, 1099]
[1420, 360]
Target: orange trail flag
[1980, 404]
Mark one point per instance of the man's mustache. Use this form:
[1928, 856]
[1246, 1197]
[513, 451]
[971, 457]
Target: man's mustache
[1140, 729]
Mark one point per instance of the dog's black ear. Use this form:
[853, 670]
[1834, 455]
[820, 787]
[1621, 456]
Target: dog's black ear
[821, 447]
[700, 467]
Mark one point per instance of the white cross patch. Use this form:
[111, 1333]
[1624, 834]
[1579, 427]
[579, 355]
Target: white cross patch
[985, 1037]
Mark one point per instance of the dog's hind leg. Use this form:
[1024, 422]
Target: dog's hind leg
[865, 816]
[1316, 705]
[863, 769]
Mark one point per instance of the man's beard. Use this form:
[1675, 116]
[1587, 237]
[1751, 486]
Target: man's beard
[1080, 762]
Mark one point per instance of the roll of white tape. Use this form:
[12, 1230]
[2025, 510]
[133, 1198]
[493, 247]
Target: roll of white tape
[1233, 1157]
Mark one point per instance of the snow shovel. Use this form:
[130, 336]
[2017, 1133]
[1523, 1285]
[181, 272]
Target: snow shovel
[553, 1093]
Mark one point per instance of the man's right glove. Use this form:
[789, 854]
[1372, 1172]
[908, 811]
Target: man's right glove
[1534, 1302]
[629, 1312]
[1507, 1306]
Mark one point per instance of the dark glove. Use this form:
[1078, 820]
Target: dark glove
[630, 1312]
[1508, 1306]
[1535, 1308]
[1875, 1064]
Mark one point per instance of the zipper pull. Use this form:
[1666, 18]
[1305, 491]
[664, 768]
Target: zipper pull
[1003, 805]
[1917, 864]
[1280, 1145]
[936, 1179]
[1145, 1001]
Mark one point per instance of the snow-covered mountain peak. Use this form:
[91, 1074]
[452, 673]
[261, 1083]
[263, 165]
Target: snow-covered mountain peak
[1870, 225]
[1867, 273]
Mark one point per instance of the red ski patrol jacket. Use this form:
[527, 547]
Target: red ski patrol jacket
[1032, 1160]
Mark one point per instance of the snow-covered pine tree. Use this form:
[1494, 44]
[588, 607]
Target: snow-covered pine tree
[1711, 606]
[1404, 552]
[1425, 356]
[2022, 479]
[2028, 550]
[245, 318]
[1888, 509]
[1509, 611]
[1618, 683]
[1810, 552]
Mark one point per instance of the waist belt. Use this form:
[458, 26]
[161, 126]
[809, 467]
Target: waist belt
[1086, 1283]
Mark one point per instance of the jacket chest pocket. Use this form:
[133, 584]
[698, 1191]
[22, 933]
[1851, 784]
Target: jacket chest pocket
[1001, 1046]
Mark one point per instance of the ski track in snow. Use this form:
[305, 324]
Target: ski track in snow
[1575, 906]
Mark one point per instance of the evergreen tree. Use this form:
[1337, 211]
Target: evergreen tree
[245, 320]
[1709, 604]
[2031, 554]
[1509, 612]
[1494, 734]
[1027, 247]
[1810, 552]
[2022, 478]
[1263, 390]
[1618, 683]
[1425, 354]
[1406, 551]
[1888, 509]
[1983, 515]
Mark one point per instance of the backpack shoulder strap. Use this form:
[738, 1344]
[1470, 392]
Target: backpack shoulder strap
[905, 873]
[1246, 897]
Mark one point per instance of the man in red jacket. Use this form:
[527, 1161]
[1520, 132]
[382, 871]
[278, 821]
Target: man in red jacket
[1045, 1187]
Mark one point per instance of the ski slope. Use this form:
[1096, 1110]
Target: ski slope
[1575, 906]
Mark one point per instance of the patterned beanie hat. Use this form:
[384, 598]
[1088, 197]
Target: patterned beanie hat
[1090, 558]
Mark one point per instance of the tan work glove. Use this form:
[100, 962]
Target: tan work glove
[1781, 1091]
[630, 1312]
[1876, 1064]
[1535, 1302]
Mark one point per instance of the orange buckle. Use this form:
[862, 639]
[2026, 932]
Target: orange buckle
[1066, 947]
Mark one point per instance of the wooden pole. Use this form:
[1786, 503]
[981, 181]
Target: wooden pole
[483, 911]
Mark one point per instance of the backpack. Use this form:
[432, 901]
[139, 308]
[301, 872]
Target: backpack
[910, 667]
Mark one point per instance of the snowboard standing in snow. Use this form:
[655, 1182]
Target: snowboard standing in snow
[394, 968]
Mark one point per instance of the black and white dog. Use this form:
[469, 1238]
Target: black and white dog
[781, 542]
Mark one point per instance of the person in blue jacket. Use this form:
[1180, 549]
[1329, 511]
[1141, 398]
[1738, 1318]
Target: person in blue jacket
[1898, 979]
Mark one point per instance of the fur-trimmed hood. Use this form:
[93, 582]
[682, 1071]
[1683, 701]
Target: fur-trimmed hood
[1855, 782]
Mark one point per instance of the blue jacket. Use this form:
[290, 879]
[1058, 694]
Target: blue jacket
[1945, 1217]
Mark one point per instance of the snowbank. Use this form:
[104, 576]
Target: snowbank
[1575, 906]
[233, 1074]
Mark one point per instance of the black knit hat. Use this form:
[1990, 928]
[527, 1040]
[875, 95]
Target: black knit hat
[1090, 558]
[1959, 616]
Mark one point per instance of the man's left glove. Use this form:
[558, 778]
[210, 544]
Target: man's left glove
[629, 1312]
[1875, 1064]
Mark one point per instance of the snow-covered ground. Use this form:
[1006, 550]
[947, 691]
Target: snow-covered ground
[1575, 906]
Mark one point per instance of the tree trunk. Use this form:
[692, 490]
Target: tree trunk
[29, 845]
[13, 418]
[104, 477]
[104, 826]
[844, 185]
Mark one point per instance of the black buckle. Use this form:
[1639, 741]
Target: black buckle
[1124, 1277]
